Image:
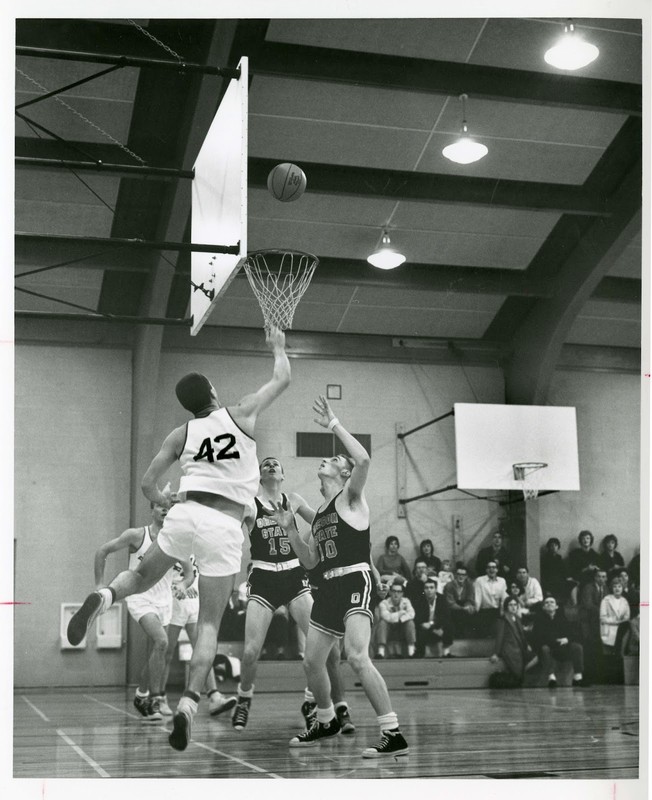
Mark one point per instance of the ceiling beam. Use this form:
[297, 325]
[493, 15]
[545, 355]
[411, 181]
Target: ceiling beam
[34, 250]
[432, 187]
[446, 77]
[424, 187]
[538, 341]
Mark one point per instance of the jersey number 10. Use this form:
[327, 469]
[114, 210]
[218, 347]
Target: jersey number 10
[207, 451]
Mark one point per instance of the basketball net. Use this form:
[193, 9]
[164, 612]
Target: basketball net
[524, 473]
[279, 279]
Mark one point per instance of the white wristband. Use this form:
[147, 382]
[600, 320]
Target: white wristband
[335, 421]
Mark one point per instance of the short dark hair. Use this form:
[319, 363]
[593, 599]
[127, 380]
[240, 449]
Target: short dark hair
[348, 460]
[194, 392]
[430, 580]
[391, 539]
[553, 540]
[609, 538]
[507, 600]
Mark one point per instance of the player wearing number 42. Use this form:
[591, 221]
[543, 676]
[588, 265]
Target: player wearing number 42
[217, 454]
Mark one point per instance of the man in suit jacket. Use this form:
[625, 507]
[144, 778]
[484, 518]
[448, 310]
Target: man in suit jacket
[431, 620]
[552, 641]
[459, 598]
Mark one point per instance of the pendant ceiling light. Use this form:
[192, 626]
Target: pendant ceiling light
[386, 257]
[465, 150]
[571, 51]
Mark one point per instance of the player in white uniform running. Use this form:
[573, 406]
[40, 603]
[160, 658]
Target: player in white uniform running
[185, 613]
[276, 578]
[217, 454]
[151, 609]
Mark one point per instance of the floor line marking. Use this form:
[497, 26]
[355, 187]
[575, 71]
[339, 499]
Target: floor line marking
[101, 772]
[239, 760]
[115, 708]
[34, 708]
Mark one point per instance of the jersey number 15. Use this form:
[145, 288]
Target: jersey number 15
[207, 451]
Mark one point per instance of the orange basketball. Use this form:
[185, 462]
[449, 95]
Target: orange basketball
[286, 182]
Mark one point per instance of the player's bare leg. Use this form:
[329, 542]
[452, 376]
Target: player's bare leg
[300, 609]
[214, 593]
[151, 569]
[356, 643]
[257, 622]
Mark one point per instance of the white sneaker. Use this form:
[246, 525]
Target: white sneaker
[163, 707]
[218, 704]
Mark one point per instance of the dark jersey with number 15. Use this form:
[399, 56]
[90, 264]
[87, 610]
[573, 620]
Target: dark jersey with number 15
[269, 542]
[338, 544]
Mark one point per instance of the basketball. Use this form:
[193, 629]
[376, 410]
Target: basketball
[286, 182]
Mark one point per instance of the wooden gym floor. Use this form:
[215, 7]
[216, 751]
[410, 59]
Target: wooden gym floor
[453, 733]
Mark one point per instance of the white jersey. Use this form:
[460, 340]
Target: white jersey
[161, 593]
[220, 458]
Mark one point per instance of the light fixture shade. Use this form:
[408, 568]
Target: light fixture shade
[571, 52]
[465, 151]
[386, 257]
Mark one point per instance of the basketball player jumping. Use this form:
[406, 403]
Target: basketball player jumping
[277, 578]
[217, 455]
[340, 543]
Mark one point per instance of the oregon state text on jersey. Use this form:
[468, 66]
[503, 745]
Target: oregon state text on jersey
[338, 544]
[220, 458]
[269, 542]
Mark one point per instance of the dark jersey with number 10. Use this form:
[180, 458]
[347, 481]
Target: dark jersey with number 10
[338, 544]
[269, 542]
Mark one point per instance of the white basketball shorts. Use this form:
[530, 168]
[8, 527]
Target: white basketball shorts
[213, 537]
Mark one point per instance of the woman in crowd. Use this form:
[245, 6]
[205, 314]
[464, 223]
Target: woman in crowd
[610, 558]
[392, 563]
[427, 554]
[614, 615]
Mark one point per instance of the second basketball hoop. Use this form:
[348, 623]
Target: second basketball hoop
[279, 279]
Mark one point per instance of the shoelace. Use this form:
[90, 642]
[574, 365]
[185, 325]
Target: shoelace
[241, 713]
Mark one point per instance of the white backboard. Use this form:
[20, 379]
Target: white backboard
[490, 439]
[219, 200]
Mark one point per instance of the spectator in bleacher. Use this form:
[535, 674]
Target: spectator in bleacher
[490, 594]
[414, 587]
[396, 621]
[614, 616]
[427, 554]
[630, 592]
[497, 552]
[610, 558]
[554, 574]
[634, 570]
[583, 561]
[552, 640]
[444, 576]
[515, 591]
[591, 596]
[431, 621]
[391, 562]
[531, 593]
[511, 643]
[459, 596]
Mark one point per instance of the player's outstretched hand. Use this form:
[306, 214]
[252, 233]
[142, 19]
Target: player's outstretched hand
[323, 410]
[284, 516]
[275, 339]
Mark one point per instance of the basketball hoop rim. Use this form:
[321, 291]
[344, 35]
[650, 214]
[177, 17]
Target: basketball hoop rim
[278, 252]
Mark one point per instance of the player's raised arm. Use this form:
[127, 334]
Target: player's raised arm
[305, 548]
[247, 410]
[358, 454]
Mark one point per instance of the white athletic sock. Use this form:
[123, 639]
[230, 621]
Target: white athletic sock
[341, 704]
[308, 696]
[142, 694]
[325, 714]
[107, 596]
[446, 650]
[577, 676]
[388, 722]
[249, 693]
[552, 677]
[411, 649]
[188, 705]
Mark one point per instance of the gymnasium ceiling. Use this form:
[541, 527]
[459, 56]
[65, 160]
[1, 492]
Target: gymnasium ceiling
[547, 224]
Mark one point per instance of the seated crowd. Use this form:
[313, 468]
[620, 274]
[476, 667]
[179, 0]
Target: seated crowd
[583, 611]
